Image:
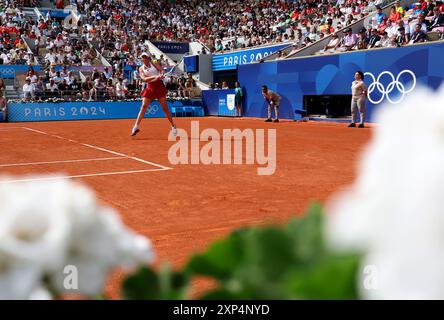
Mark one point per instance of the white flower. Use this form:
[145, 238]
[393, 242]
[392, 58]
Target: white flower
[47, 225]
[100, 246]
[394, 210]
[40, 293]
[34, 234]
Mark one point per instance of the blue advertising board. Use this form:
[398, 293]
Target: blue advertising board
[229, 61]
[8, 71]
[18, 112]
[390, 74]
[219, 102]
[55, 13]
[191, 63]
[172, 47]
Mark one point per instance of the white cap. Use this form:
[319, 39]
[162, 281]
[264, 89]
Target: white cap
[145, 54]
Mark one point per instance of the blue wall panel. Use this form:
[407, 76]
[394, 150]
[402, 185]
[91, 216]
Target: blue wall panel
[80, 111]
[398, 69]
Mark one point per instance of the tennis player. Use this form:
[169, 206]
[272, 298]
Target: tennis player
[273, 102]
[152, 74]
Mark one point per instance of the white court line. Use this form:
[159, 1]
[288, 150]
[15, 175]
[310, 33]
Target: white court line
[9, 128]
[79, 176]
[58, 161]
[101, 149]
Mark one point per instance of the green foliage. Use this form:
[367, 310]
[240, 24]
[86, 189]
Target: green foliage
[146, 284]
[289, 262]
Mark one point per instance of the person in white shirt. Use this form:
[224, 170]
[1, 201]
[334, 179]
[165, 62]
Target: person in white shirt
[28, 90]
[384, 42]
[121, 89]
[333, 43]
[49, 44]
[59, 42]
[6, 57]
[50, 57]
[69, 78]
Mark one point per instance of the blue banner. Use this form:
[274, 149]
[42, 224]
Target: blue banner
[191, 64]
[229, 61]
[8, 71]
[55, 13]
[219, 102]
[18, 112]
[172, 47]
[390, 74]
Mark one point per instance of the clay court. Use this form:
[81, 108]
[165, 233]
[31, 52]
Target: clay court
[182, 208]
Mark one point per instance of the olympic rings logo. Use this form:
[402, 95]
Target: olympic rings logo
[152, 109]
[395, 83]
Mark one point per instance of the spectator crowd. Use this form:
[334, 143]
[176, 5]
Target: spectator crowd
[117, 30]
[401, 27]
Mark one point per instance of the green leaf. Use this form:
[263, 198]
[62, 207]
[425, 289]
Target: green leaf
[146, 284]
[306, 232]
[142, 285]
[221, 259]
[335, 277]
[173, 285]
[269, 251]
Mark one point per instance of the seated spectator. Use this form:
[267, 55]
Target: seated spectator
[64, 72]
[417, 11]
[190, 78]
[121, 89]
[21, 45]
[58, 78]
[399, 8]
[52, 72]
[225, 85]
[392, 43]
[374, 39]
[189, 92]
[380, 16]
[418, 36]
[363, 37]
[419, 21]
[402, 38]
[279, 55]
[384, 42]
[63, 88]
[52, 89]
[436, 21]
[395, 15]
[75, 87]
[69, 78]
[110, 90]
[39, 88]
[95, 74]
[349, 40]
[88, 90]
[361, 45]
[107, 73]
[28, 90]
[333, 43]
[100, 87]
[393, 30]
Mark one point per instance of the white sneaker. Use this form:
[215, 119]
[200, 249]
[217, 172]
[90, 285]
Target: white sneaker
[174, 129]
[134, 131]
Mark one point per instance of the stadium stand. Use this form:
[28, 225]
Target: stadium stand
[90, 50]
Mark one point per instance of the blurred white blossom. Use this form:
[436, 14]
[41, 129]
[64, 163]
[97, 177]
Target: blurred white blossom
[46, 225]
[393, 212]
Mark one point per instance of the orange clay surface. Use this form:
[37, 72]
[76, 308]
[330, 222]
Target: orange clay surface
[182, 210]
